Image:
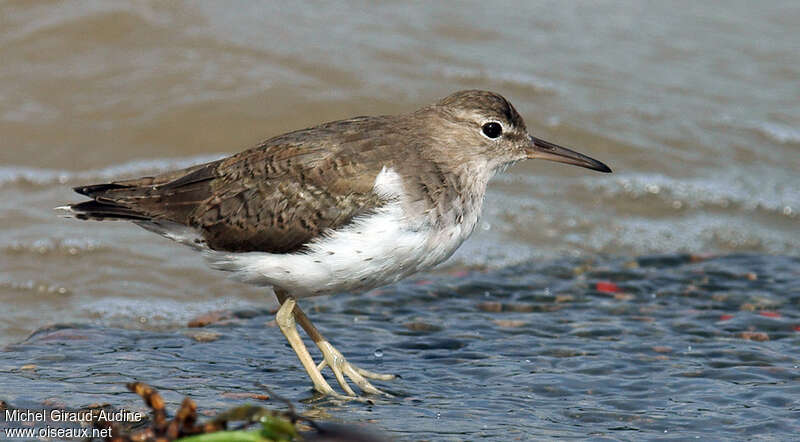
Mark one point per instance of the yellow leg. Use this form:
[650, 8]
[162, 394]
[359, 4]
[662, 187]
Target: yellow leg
[332, 357]
[285, 320]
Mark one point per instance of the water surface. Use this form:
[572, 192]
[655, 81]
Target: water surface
[694, 106]
[672, 347]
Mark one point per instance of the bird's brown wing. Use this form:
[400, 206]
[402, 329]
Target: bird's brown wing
[274, 198]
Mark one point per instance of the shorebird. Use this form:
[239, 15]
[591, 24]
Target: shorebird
[345, 206]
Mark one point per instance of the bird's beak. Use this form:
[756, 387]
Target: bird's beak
[545, 150]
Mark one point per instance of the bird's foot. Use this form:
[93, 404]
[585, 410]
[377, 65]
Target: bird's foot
[287, 317]
[341, 368]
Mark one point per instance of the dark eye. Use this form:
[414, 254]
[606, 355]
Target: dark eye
[492, 129]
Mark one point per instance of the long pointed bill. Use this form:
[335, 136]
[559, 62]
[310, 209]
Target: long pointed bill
[545, 150]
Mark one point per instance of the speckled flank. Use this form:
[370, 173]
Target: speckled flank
[373, 250]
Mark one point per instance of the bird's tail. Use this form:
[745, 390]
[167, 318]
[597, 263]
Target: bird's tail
[166, 197]
[101, 207]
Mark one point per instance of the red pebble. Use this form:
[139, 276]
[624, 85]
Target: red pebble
[725, 317]
[607, 287]
[770, 314]
[797, 328]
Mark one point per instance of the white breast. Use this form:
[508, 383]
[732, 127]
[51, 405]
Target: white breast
[373, 250]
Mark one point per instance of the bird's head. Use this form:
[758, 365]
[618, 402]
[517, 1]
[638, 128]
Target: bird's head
[482, 124]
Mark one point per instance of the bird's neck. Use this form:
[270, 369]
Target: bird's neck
[462, 205]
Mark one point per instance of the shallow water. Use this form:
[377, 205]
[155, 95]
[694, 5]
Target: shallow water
[693, 105]
[673, 346]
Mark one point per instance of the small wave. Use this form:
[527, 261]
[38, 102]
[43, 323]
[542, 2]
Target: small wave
[509, 78]
[745, 190]
[739, 210]
[10, 175]
[778, 132]
[781, 133]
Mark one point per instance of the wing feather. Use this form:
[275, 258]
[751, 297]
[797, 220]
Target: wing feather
[274, 198]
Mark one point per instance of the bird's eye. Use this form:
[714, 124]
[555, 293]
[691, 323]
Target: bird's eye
[492, 129]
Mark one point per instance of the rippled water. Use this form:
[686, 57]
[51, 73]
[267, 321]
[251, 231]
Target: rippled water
[673, 346]
[693, 105]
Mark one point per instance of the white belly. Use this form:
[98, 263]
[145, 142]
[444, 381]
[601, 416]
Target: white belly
[372, 251]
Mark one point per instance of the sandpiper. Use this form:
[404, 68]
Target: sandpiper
[345, 206]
